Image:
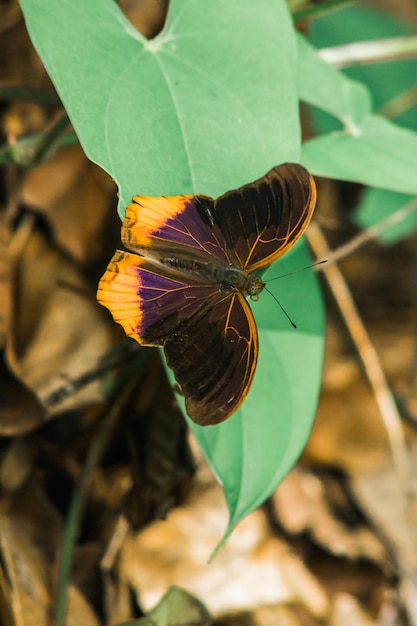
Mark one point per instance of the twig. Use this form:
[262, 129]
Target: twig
[400, 103]
[371, 364]
[369, 234]
[368, 52]
[70, 387]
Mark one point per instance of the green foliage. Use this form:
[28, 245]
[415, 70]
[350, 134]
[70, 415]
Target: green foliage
[377, 205]
[384, 81]
[377, 152]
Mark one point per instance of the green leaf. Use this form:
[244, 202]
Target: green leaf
[207, 105]
[380, 154]
[322, 86]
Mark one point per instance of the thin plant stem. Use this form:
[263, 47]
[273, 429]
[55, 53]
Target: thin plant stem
[369, 234]
[400, 103]
[21, 93]
[370, 52]
[372, 367]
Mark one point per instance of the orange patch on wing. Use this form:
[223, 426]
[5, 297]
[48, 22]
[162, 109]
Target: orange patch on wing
[146, 214]
[118, 291]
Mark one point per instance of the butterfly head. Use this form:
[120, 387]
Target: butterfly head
[254, 287]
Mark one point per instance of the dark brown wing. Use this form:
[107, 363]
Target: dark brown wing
[213, 355]
[262, 220]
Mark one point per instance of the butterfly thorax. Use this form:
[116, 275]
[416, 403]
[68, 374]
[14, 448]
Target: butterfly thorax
[228, 277]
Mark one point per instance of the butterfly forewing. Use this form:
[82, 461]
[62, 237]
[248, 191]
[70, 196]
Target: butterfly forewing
[262, 220]
[171, 225]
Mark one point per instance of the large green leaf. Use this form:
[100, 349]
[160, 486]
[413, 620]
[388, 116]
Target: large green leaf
[369, 149]
[320, 85]
[380, 154]
[207, 105]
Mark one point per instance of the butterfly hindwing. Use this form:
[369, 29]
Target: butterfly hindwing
[213, 356]
[147, 299]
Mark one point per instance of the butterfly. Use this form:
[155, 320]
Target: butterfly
[194, 263]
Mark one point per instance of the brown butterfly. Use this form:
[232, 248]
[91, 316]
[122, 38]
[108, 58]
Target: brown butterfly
[185, 289]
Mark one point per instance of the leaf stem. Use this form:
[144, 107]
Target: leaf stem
[400, 103]
[33, 149]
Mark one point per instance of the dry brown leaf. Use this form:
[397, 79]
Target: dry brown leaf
[348, 431]
[20, 409]
[30, 533]
[346, 611]
[15, 465]
[79, 612]
[116, 599]
[157, 435]
[5, 282]
[303, 505]
[58, 330]
[253, 568]
[382, 500]
[282, 615]
[147, 17]
[29, 529]
[77, 198]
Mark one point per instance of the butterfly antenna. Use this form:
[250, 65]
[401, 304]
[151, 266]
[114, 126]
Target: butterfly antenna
[302, 269]
[281, 307]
